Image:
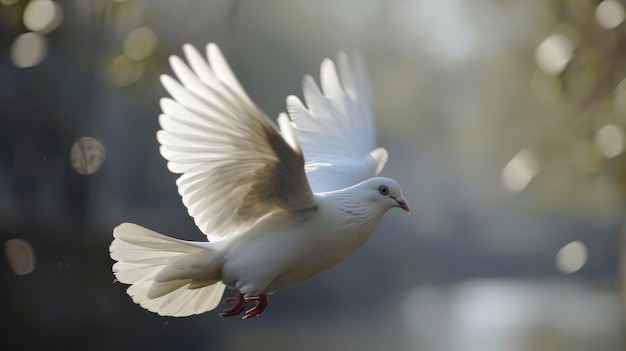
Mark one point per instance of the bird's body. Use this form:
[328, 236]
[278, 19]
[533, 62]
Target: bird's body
[253, 265]
[273, 220]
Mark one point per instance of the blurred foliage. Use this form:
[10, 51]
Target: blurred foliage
[465, 91]
[573, 106]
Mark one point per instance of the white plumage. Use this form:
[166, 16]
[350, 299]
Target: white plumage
[272, 219]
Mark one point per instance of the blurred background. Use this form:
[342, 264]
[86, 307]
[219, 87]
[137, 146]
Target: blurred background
[505, 125]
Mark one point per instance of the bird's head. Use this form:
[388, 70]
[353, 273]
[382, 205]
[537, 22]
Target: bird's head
[386, 192]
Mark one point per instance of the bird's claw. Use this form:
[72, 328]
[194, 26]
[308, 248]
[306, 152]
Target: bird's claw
[239, 304]
[261, 304]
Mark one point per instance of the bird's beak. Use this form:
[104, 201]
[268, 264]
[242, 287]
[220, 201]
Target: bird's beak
[402, 204]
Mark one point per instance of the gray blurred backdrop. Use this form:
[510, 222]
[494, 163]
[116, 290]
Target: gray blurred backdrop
[504, 120]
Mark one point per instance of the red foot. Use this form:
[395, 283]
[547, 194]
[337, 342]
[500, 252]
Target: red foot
[261, 304]
[239, 304]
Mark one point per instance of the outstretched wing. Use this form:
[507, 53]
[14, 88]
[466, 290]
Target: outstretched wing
[336, 128]
[235, 165]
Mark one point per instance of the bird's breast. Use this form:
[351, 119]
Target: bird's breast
[318, 247]
[285, 253]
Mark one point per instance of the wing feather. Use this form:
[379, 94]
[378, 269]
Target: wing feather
[336, 128]
[235, 166]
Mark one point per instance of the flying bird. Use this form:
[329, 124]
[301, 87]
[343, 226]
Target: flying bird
[279, 204]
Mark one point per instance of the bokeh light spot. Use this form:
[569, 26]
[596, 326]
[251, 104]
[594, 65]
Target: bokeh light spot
[87, 155]
[609, 14]
[42, 16]
[140, 43]
[610, 140]
[20, 256]
[124, 71]
[571, 257]
[28, 50]
[8, 2]
[520, 170]
[554, 53]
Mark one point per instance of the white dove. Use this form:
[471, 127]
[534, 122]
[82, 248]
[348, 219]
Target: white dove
[272, 220]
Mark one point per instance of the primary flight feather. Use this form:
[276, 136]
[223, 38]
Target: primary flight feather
[278, 204]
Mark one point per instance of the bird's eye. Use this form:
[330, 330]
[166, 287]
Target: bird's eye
[383, 190]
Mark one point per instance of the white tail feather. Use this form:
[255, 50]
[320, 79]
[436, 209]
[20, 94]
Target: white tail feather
[142, 254]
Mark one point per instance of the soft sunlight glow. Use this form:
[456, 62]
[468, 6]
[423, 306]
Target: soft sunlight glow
[42, 16]
[28, 50]
[87, 155]
[571, 257]
[554, 53]
[20, 256]
[520, 170]
[504, 314]
[610, 14]
[610, 140]
[140, 43]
